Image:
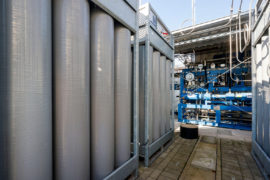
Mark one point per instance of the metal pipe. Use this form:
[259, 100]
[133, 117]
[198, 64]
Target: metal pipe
[230, 58]
[247, 27]
[193, 13]
[25, 90]
[102, 94]
[71, 89]
[123, 94]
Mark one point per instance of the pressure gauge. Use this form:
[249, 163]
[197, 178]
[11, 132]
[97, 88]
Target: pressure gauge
[190, 77]
[200, 67]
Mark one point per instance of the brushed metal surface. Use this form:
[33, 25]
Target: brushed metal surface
[25, 90]
[71, 42]
[142, 58]
[168, 94]
[156, 96]
[102, 94]
[162, 94]
[123, 93]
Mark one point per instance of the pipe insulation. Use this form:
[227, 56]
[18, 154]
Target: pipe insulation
[71, 89]
[156, 96]
[25, 90]
[162, 94]
[102, 94]
[123, 93]
[168, 94]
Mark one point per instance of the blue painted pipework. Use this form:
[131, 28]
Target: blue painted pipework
[229, 98]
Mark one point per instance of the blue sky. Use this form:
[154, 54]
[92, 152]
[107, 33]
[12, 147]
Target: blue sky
[174, 12]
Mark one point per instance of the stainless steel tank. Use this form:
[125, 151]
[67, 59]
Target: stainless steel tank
[123, 93]
[156, 96]
[71, 42]
[25, 90]
[102, 94]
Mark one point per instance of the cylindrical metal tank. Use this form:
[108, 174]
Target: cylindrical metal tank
[156, 96]
[145, 80]
[25, 90]
[102, 94]
[150, 94]
[168, 95]
[123, 93]
[142, 94]
[259, 92]
[265, 93]
[162, 94]
[71, 89]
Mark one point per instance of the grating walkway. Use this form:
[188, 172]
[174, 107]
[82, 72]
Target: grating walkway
[205, 158]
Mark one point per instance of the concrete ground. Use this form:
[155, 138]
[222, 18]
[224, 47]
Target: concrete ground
[218, 154]
[225, 133]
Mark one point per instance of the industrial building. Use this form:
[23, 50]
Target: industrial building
[101, 89]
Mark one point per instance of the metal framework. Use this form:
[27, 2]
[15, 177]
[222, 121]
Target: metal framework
[126, 12]
[215, 99]
[153, 32]
[260, 88]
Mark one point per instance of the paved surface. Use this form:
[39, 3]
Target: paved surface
[225, 154]
[170, 164]
[236, 160]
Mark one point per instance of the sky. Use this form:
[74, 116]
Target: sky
[175, 12]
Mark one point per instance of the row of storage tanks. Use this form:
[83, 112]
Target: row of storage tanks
[65, 90]
[160, 94]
